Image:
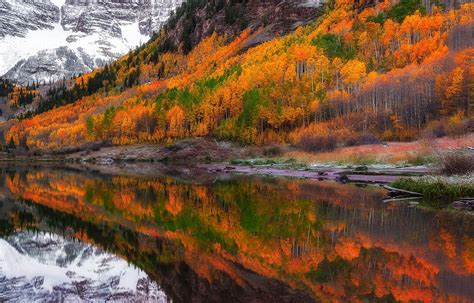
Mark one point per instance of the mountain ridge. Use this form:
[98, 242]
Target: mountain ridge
[52, 43]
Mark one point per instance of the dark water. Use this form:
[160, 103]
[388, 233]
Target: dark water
[174, 234]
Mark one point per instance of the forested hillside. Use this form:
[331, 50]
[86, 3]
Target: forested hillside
[361, 70]
[6, 87]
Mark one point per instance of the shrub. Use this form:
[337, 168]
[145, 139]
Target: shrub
[435, 129]
[362, 140]
[272, 151]
[420, 159]
[311, 143]
[461, 128]
[457, 164]
[467, 125]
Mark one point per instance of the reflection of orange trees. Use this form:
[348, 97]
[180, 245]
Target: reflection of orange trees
[299, 232]
[61, 192]
[460, 255]
[468, 254]
[449, 245]
[348, 249]
[124, 200]
[174, 205]
[389, 274]
[382, 268]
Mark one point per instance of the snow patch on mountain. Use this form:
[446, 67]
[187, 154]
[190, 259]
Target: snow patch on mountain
[14, 48]
[132, 35]
[42, 40]
[58, 3]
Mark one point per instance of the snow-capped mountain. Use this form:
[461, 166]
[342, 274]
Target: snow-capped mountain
[52, 39]
[42, 267]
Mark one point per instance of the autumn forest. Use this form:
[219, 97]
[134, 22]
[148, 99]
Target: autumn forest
[387, 70]
[249, 151]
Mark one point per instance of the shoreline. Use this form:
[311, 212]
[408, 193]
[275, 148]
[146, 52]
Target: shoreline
[327, 173]
[207, 154]
[207, 157]
[379, 175]
[382, 174]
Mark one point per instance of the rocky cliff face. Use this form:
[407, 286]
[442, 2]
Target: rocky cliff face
[44, 40]
[17, 18]
[43, 267]
[198, 19]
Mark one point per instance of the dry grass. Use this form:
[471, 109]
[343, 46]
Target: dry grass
[315, 143]
[417, 152]
[457, 164]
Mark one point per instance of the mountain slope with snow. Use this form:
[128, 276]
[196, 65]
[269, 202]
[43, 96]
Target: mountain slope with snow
[44, 40]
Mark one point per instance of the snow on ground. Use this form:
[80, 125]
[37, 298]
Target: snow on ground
[313, 3]
[132, 36]
[13, 49]
[58, 3]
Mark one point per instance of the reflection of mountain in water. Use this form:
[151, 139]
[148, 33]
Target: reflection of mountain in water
[245, 239]
[43, 267]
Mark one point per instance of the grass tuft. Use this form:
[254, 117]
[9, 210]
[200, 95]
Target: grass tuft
[457, 164]
[438, 191]
[289, 163]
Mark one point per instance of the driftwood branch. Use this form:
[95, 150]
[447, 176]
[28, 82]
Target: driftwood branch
[401, 191]
[400, 199]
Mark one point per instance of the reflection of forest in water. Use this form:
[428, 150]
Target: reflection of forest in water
[245, 237]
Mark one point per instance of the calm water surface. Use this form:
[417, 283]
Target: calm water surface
[69, 234]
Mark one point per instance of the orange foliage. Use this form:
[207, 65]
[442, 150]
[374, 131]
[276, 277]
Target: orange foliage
[306, 224]
[294, 81]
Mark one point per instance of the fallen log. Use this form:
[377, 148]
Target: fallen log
[400, 199]
[401, 191]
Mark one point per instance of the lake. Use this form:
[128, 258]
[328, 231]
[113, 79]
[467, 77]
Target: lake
[149, 233]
